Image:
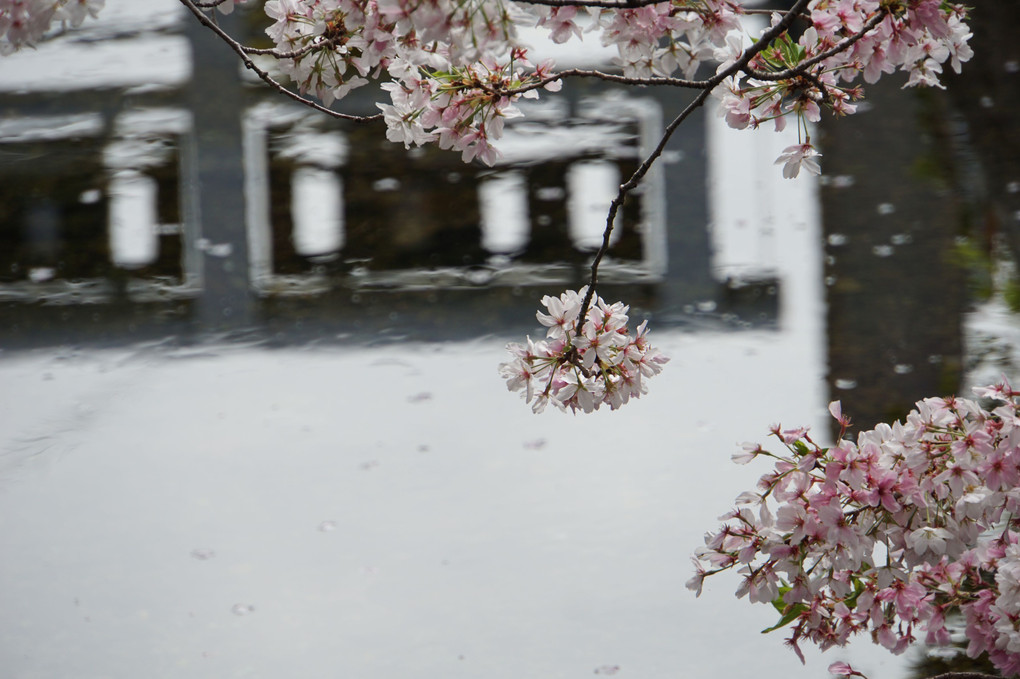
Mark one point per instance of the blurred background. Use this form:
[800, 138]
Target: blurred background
[250, 418]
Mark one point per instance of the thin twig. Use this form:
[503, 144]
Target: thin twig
[608, 77]
[264, 75]
[810, 77]
[296, 54]
[635, 179]
[595, 4]
[632, 4]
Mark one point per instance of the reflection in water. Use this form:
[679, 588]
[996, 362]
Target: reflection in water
[920, 221]
[896, 296]
[344, 207]
[136, 211]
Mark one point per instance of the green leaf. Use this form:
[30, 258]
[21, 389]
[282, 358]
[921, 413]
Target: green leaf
[851, 601]
[792, 613]
[778, 602]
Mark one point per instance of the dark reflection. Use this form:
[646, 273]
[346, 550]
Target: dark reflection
[397, 207]
[895, 293]
[400, 206]
[52, 220]
[986, 97]
[917, 205]
[935, 665]
[423, 208]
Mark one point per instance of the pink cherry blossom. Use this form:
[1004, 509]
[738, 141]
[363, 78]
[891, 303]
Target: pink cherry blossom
[600, 363]
[887, 534]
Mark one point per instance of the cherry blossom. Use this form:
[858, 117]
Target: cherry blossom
[889, 535]
[468, 58]
[795, 157]
[24, 22]
[582, 365]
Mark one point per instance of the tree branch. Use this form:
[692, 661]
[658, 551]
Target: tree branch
[239, 49]
[627, 187]
[596, 4]
[632, 4]
[608, 77]
[296, 54]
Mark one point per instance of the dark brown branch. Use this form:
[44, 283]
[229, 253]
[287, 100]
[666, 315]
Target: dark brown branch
[609, 77]
[965, 675]
[239, 49]
[627, 187]
[296, 54]
[603, 4]
[629, 4]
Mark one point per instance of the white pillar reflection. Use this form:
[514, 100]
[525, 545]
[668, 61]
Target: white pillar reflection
[317, 210]
[506, 224]
[132, 219]
[591, 187]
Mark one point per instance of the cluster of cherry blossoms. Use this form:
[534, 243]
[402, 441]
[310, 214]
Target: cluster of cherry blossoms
[25, 22]
[845, 40]
[891, 535]
[454, 69]
[582, 365]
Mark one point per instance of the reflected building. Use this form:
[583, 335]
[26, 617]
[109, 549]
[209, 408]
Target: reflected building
[339, 206]
[84, 206]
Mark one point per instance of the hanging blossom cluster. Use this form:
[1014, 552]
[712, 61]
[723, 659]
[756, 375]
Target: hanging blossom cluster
[917, 37]
[25, 22]
[891, 535]
[582, 365]
[453, 69]
[456, 67]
